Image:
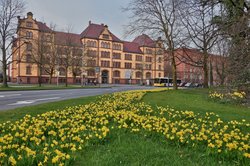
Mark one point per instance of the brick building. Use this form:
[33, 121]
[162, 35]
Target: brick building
[189, 67]
[94, 55]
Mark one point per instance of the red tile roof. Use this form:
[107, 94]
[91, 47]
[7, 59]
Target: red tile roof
[62, 38]
[94, 31]
[131, 47]
[43, 27]
[144, 40]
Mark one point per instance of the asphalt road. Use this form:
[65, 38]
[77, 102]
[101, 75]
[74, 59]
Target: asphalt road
[15, 99]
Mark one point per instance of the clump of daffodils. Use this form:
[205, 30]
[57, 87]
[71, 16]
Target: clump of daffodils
[234, 97]
[54, 138]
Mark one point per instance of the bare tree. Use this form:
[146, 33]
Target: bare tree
[40, 54]
[157, 17]
[201, 32]
[51, 58]
[76, 65]
[69, 52]
[221, 48]
[9, 10]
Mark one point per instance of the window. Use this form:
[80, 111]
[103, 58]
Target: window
[117, 64]
[105, 63]
[149, 51]
[116, 73]
[148, 59]
[91, 43]
[29, 35]
[92, 53]
[91, 62]
[105, 44]
[91, 72]
[148, 66]
[28, 70]
[29, 24]
[28, 58]
[116, 46]
[138, 74]
[159, 67]
[159, 74]
[105, 36]
[116, 55]
[128, 65]
[105, 54]
[128, 56]
[62, 71]
[28, 47]
[138, 66]
[159, 59]
[48, 38]
[45, 71]
[148, 75]
[138, 58]
[160, 52]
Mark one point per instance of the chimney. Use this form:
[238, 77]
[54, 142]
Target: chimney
[89, 22]
[102, 24]
[30, 15]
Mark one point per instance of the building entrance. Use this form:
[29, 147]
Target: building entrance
[105, 76]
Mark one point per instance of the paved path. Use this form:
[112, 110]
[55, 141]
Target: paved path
[14, 99]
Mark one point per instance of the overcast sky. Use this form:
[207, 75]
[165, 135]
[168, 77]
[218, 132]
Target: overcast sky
[77, 13]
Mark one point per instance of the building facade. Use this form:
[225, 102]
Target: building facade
[189, 67]
[95, 55]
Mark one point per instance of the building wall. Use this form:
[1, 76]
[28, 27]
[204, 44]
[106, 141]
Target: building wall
[188, 71]
[127, 75]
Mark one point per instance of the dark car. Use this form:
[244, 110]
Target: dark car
[1, 77]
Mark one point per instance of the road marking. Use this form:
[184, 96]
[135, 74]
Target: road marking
[10, 95]
[33, 101]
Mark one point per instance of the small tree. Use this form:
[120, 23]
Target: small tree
[9, 11]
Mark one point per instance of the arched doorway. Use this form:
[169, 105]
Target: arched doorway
[105, 76]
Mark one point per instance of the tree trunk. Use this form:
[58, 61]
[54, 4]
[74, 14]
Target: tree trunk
[40, 76]
[50, 76]
[66, 75]
[211, 74]
[175, 87]
[4, 67]
[205, 70]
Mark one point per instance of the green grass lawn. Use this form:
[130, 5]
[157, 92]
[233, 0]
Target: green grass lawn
[124, 148]
[196, 100]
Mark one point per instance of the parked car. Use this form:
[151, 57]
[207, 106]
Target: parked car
[1, 77]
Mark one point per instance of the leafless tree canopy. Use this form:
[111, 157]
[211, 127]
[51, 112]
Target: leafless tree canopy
[157, 17]
[9, 10]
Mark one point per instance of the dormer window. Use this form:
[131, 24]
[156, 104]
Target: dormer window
[105, 36]
[29, 24]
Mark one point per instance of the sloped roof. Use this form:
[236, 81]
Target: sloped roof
[94, 31]
[131, 47]
[43, 27]
[144, 40]
[63, 38]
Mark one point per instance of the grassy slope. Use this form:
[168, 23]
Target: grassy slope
[197, 101]
[136, 149]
